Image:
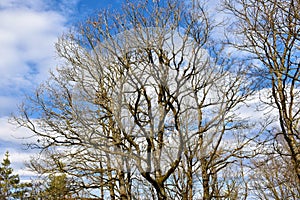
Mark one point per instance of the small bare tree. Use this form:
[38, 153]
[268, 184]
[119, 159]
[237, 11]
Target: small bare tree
[145, 99]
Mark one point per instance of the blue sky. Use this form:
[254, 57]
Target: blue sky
[28, 32]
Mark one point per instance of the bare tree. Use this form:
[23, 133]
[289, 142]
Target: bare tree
[144, 106]
[272, 175]
[274, 178]
[270, 32]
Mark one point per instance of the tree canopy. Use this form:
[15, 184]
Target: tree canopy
[149, 104]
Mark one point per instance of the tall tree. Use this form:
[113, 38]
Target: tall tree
[146, 102]
[270, 32]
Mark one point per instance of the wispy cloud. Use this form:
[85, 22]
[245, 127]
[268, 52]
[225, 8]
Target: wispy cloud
[28, 31]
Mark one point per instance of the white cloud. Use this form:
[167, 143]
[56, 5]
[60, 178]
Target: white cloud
[32, 4]
[9, 133]
[28, 32]
[7, 105]
[28, 37]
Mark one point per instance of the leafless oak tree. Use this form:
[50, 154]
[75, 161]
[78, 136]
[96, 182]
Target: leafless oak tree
[145, 106]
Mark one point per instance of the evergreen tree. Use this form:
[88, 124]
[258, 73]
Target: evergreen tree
[8, 181]
[57, 187]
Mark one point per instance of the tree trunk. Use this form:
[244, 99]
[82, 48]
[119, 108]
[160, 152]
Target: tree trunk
[161, 192]
[205, 179]
[109, 175]
[123, 186]
[189, 188]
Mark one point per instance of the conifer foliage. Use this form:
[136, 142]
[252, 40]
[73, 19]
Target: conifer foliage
[10, 185]
[8, 181]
